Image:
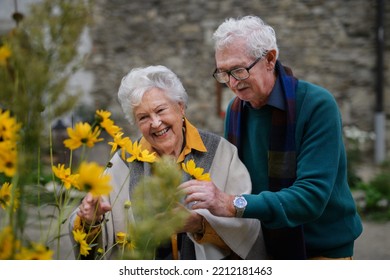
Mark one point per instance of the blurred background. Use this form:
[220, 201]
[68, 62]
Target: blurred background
[340, 45]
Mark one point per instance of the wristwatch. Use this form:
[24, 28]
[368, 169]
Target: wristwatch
[239, 203]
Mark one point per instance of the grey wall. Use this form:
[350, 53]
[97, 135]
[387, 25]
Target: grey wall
[328, 42]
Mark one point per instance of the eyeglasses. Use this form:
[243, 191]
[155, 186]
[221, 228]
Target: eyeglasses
[239, 74]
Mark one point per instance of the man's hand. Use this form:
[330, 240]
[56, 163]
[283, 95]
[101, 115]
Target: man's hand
[205, 195]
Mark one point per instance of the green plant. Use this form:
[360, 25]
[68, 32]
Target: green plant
[155, 198]
[377, 194]
[37, 59]
[356, 141]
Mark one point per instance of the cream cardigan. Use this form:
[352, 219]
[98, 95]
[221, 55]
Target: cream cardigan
[228, 173]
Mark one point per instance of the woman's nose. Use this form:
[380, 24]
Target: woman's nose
[155, 122]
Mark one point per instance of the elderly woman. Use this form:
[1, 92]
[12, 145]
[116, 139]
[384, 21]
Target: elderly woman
[155, 99]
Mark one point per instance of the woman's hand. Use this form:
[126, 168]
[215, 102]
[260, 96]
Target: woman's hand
[91, 209]
[194, 223]
[204, 194]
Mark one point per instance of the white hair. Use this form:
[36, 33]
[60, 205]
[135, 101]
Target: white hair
[259, 36]
[140, 80]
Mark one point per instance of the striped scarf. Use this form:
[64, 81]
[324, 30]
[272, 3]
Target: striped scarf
[284, 243]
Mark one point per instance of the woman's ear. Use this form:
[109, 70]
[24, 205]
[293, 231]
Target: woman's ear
[182, 109]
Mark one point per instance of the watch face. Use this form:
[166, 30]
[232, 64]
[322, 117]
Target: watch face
[240, 202]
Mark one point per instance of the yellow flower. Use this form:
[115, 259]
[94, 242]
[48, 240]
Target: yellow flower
[100, 251]
[146, 156]
[134, 150]
[6, 196]
[8, 158]
[195, 172]
[8, 244]
[82, 135]
[110, 127]
[64, 174]
[9, 130]
[84, 248]
[138, 154]
[91, 179]
[103, 117]
[9, 127]
[121, 238]
[120, 142]
[5, 52]
[36, 252]
[80, 237]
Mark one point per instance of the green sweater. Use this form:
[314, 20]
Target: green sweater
[320, 198]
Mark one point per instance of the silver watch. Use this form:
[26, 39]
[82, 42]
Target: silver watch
[239, 203]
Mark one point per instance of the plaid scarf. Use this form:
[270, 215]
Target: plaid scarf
[284, 243]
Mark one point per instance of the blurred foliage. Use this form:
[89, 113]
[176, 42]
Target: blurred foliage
[156, 198]
[355, 140]
[372, 197]
[37, 58]
[375, 202]
[44, 55]
[354, 159]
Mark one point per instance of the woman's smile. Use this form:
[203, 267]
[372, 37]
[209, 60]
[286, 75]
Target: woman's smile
[161, 132]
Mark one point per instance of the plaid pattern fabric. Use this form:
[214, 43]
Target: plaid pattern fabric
[285, 243]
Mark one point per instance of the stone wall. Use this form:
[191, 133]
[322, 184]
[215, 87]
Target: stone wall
[328, 42]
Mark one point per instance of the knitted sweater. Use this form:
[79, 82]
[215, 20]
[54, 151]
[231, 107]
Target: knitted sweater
[320, 198]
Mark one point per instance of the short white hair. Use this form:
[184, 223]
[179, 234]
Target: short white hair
[259, 36]
[140, 80]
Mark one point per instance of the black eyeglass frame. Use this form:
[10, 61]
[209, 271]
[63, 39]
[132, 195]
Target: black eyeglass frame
[231, 72]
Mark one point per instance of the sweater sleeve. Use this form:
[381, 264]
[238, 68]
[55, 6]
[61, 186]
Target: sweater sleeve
[319, 146]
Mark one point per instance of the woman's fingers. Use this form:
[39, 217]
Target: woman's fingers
[92, 208]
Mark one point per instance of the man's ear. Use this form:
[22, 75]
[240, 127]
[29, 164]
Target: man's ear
[271, 59]
[271, 56]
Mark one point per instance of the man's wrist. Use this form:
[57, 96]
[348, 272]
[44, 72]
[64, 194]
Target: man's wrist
[232, 210]
[239, 203]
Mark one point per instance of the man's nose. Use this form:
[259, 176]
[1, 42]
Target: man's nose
[233, 81]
